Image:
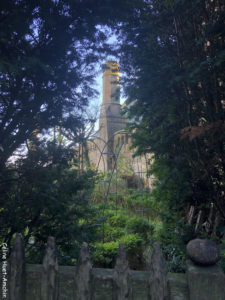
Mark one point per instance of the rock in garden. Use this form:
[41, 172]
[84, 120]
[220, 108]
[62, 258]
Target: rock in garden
[203, 252]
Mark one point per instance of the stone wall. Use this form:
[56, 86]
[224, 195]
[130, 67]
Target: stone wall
[102, 284]
[82, 282]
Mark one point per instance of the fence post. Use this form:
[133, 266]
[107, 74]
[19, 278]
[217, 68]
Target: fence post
[205, 282]
[49, 280]
[204, 277]
[121, 276]
[83, 275]
[17, 276]
[158, 281]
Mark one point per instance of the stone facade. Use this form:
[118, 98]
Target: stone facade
[112, 139]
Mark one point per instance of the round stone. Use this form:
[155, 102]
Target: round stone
[203, 252]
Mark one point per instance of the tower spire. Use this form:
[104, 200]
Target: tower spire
[111, 82]
[111, 119]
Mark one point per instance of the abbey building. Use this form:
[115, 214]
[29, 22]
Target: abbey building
[111, 144]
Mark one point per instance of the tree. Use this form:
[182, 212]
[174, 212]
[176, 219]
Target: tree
[47, 196]
[81, 137]
[173, 53]
[48, 52]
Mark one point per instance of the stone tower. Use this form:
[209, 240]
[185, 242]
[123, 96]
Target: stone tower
[111, 140]
[111, 119]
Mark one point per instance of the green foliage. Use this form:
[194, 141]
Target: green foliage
[173, 55]
[118, 195]
[138, 234]
[112, 232]
[105, 253]
[46, 196]
[175, 258]
[118, 221]
[122, 224]
[138, 200]
[173, 240]
[132, 242]
[49, 52]
[117, 227]
[118, 185]
[140, 226]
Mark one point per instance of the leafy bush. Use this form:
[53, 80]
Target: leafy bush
[117, 185]
[134, 245]
[118, 221]
[138, 233]
[105, 253]
[175, 258]
[49, 198]
[112, 233]
[173, 247]
[138, 200]
[140, 226]
[132, 242]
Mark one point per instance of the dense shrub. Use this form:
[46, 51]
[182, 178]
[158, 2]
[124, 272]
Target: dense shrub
[104, 254]
[119, 220]
[112, 233]
[45, 195]
[134, 245]
[173, 247]
[140, 226]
